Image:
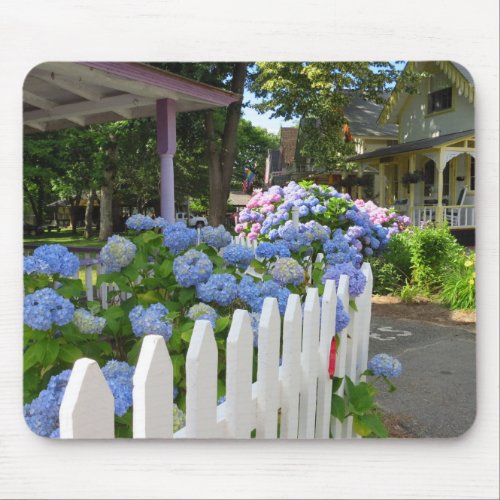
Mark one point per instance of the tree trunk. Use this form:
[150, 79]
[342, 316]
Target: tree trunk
[89, 212]
[106, 210]
[221, 163]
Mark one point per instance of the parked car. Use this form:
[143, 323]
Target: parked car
[196, 221]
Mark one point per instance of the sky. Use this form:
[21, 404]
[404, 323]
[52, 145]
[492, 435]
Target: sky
[263, 120]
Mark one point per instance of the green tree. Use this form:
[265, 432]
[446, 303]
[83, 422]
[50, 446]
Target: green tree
[253, 144]
[316, 93]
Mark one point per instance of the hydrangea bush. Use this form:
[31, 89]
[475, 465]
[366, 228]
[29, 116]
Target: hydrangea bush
[166, 276]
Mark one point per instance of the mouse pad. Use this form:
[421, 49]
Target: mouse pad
[249, 250]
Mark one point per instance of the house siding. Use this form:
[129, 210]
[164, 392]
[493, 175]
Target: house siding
[415, 124]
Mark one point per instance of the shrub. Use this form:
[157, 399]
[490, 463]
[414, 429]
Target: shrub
[459, 287]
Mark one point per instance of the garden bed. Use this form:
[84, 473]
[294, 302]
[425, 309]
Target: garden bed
[393, 307]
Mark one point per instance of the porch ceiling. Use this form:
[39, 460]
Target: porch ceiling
[409, 147]
[59, 95]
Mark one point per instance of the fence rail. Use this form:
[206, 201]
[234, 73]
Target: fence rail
[283, 401]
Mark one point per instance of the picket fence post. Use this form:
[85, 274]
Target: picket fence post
[239, 408]
[340, 366]
[268, 370]
[88, 408]
[201, 383]
[153, 390]
[309, 365]
[327, 333]
[290, 375]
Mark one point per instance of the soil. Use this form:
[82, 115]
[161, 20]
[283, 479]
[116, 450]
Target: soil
[423, 309]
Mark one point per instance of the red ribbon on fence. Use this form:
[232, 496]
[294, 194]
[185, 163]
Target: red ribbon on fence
[333, 357]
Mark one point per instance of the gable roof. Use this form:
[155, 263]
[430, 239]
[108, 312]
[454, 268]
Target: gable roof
[457, 74]
[362, 116]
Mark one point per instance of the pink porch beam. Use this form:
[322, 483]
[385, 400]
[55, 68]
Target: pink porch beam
[165, 146]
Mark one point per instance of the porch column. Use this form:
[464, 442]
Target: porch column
[411, 198]
[381, 187]
[165, 146]
[440, 167]
[360, 175]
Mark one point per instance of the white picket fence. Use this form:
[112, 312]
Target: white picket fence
[289, 400]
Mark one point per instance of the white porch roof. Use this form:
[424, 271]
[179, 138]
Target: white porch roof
[59, 95]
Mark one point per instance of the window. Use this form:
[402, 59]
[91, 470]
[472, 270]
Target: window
[439, 100]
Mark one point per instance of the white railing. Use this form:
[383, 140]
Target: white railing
[457, 216]
[294, 396]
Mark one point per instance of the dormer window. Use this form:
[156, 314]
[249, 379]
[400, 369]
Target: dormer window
[439, 100]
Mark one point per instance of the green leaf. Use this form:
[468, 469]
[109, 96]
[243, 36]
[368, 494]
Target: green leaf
[352, 304]
[72, 334]
[186, 294]
[70, 353]
[94, 307]
[336, 383]
[46, 352]
[133, 354]
[178, 364]
[222, 323]
[186, 336]
[30, 334]
[360, 396]
[150, 236]
[338, 407]
[165, 269]
[368, 424]
[105, 347]
[30, 358]
[70, 288]
[148, 298]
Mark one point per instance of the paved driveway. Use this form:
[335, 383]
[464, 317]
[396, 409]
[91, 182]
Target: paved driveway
[436, 393]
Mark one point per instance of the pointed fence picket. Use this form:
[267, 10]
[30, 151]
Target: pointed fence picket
[290, 398]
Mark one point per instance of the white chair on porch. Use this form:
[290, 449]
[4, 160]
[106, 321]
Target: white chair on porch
[453, 214]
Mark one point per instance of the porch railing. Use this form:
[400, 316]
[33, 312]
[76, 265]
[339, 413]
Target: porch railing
[457, 216]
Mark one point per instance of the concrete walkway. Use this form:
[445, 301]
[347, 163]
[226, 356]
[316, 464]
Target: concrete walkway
[436, 392]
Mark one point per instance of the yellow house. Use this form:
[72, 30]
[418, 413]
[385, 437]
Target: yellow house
[430, 173]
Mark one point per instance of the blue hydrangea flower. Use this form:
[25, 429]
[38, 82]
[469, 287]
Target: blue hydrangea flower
[44, 307]
[238, 255]
[87, 323]
[42, 414]
[254, 321]
[220, 288]
[288, 271]
[341, 318]
[140, 222]
[34, 265]
[117, 253]
[179, 418]
[203, 311]
[160, 222]
[357, 280]
[52, 259]
[216, 237]
[192, 268]
[385, 365]
[118, 375]
[265, 250]
[253, 294]
[151, 321]
[178, 237]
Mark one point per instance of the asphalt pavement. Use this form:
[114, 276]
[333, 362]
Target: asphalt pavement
[436, 392]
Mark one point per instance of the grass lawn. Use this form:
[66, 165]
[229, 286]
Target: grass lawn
[64, 237]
